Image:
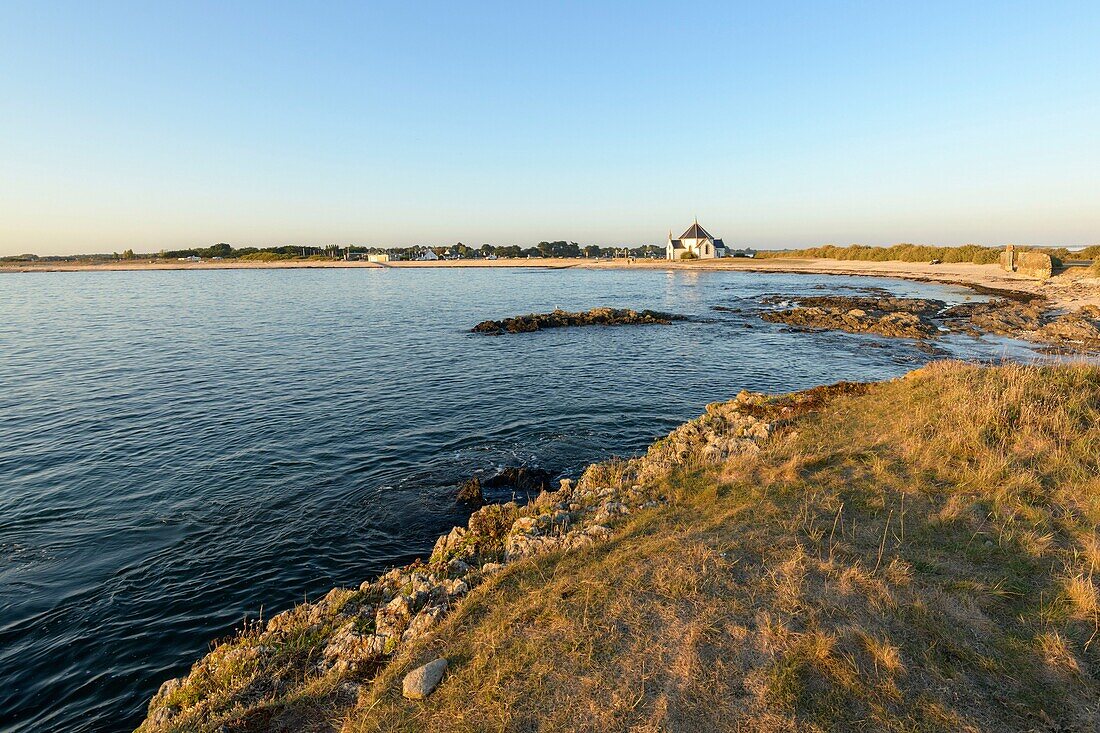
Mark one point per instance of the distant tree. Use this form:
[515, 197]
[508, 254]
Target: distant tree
[128, 254]
[591, 250]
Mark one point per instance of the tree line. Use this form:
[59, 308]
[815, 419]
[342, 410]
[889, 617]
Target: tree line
[559, 248]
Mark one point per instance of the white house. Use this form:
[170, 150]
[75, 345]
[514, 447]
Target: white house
[698, 241]
[427, 255]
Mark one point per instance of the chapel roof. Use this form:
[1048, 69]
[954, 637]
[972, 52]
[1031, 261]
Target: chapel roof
[696, 232]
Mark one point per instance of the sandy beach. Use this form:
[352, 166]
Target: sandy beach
[1069, 289]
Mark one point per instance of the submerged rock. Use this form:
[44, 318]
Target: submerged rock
[562, 319]
[423, 680]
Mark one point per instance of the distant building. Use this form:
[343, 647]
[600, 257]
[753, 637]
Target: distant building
[698, 242]
[427, 256]
[191, 258]
[378, 258]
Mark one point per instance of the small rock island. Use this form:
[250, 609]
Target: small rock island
[562, 319]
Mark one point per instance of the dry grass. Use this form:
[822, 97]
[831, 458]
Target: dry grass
[916, 557]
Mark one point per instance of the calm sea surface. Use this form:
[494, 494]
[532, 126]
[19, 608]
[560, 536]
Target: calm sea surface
[180, 449]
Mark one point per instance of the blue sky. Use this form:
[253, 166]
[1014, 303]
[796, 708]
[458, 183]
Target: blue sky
[160, 125]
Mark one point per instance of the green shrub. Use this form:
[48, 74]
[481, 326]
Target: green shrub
[902, 252]
[689, 255]
[265, 257]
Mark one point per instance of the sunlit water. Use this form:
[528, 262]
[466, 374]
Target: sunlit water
[180, 449]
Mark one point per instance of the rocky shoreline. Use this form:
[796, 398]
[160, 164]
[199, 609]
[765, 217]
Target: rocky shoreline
[346, 638]
[563, 319]
[923, 318]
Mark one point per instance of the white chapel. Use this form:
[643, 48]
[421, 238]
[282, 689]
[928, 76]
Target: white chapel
[698, 242]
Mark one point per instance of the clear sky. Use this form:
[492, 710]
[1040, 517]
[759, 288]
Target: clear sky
[151, 125]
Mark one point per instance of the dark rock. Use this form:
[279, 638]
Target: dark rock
[882, 315]
[1000, 316]
[871, 303]
[522, 478]
[469, 492]
[1080, 328]
[919, 318]
[562, 319]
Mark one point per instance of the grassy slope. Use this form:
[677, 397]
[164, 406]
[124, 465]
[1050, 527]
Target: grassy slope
[918, 557]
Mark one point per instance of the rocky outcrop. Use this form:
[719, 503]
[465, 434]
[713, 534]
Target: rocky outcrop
[469, 492]
[1000, 316]
[885, 316]
[1078, 329]
[561, 319]
[919, 318]
[350, 633]
[1073, 331]
[525, 479]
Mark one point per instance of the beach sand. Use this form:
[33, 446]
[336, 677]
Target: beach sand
[1069, 289]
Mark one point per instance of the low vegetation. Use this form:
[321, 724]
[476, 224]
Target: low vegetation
[914, 555]
[921, 253]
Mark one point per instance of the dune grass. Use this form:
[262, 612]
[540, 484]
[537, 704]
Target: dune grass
[974, 253]
[919, 557]
[901, 252]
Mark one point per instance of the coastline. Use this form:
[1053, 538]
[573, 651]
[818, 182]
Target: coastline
[710, 545]
[1069, 289]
